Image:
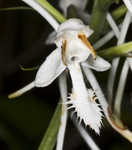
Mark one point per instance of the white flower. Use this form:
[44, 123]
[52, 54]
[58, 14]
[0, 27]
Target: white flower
[74, 50]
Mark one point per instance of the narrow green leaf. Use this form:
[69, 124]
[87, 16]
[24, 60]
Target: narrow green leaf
[53, 11]
[50, 136]
[117, 51]
[119, 12]
[15, 8]
[98, 17]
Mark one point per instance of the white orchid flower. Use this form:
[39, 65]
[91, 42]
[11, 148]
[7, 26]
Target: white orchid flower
[73, 50]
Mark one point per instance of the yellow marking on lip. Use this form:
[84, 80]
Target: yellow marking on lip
[83, 38]
[63, 51]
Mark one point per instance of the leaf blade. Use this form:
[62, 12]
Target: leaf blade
[50, 136]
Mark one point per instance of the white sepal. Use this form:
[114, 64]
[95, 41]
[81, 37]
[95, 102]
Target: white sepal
[50, 69]
[99, 64]
[73, 26]
[22, 90]
[51, 38]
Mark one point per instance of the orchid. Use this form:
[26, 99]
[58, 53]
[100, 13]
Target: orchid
[75, 55]
[73, 50]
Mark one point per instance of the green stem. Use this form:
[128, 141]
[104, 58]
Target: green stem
[15, 8]
[50, 136]
[98, 17]
[117, 51]
[54, 12]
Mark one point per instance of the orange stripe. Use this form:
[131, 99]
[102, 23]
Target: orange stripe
[83, 38]
[63, 51]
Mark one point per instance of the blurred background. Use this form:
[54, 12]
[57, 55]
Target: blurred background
[24, 120]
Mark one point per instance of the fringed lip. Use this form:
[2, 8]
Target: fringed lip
[87, 111]
[84, 101]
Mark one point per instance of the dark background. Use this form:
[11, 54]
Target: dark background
[23, 120]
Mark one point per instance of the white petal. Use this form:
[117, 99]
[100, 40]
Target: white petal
[99, 64]
[70, 24]
[50, 69]
[51, 38]
[70, 29]
[75, 25]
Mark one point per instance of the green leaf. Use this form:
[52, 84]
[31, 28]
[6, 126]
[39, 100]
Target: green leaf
[53, 11]
[50, 136]
[15, 8]
[98, 16]
[119, 12]
[117, 51]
